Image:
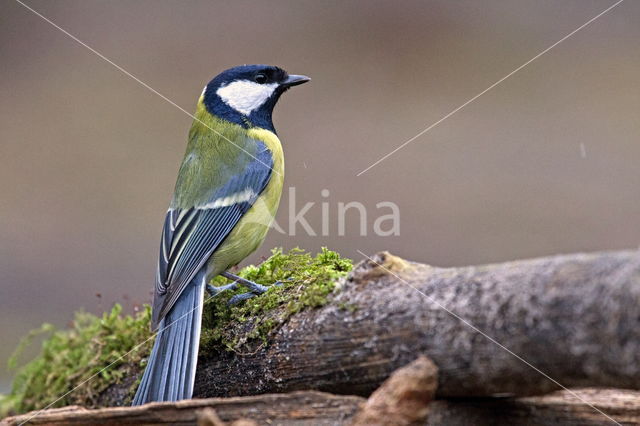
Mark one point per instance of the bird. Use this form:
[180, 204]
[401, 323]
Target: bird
[225, 198]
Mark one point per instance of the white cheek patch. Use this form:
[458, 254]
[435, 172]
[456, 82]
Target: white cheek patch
[245, 96]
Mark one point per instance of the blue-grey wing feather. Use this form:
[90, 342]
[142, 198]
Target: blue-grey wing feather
[190, 236]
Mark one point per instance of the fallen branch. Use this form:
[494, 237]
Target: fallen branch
[298, 408]
[575, 317]
[403, 399]
[567, 408]
[315, 408]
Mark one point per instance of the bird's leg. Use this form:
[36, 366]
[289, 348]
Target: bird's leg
[214, 291]
[253, 287]
[240, 298]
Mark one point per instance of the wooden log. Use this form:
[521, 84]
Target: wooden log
[298, 408]
[403, 399]
[575, 317]
[315, 408]
[558, 408]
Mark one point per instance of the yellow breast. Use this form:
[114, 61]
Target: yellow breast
[252, 228]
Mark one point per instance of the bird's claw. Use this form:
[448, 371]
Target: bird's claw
[240, 298]
[214, 291]
[246, 296]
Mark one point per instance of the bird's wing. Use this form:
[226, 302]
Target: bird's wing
[190, 236]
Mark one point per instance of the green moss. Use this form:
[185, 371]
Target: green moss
[71, 358]
[80, 365]
[351, 307]
[305, 281]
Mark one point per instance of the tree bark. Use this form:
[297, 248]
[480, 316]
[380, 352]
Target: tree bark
[315, 408]
[298, 408]
[559, 408]
[403, 399]
[576, 318]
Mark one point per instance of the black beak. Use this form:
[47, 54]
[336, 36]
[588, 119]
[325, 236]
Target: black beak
[294, 80]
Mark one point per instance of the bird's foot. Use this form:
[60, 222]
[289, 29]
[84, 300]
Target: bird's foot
[255, 289]
[245, 296]
[240, 298]
[214, 291]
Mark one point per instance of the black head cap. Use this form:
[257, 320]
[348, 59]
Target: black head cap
[246, 95]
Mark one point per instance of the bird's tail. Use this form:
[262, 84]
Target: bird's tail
[171, 368]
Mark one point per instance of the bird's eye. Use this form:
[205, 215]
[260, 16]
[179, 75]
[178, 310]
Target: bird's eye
[261, 78]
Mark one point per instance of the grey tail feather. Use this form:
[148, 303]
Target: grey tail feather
[171, 369]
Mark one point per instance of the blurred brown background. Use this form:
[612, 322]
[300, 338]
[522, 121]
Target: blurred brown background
[545, 163]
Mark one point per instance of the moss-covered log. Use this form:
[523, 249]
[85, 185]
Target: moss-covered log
[575, 317]
[98, 360]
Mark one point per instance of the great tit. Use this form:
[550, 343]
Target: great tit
[225, 198]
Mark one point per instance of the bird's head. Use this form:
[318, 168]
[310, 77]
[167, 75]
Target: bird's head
[246, 94]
